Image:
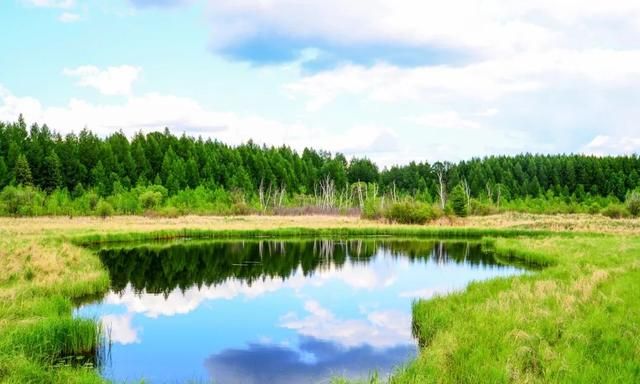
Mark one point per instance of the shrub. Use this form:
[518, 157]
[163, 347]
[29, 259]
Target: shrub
[480, 208]
[594, 208]
[409, 212]
[459, 201]
[104, 209]
[240, 209]
[372, 210]
[169, 212]
[633, 203]
[615, 211]
[150, 199]
[22, 201]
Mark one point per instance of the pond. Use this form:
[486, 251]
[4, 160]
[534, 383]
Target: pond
[295, 311]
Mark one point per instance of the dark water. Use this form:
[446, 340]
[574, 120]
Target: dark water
[272, 311]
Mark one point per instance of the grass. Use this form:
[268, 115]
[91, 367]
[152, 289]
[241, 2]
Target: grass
[578, 320]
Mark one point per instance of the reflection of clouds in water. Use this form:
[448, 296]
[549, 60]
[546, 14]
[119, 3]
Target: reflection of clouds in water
[120, 329]
[312, 361]
[182, 302]
[357, 276]
[381, 329]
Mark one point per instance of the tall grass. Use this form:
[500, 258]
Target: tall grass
[59, 340]
[422, 232]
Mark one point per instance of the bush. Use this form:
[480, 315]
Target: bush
[150, 199]
[22, 201]
[459, 201]
[633, 203]
[615, 211]
[594, 208]
[104, 209]
[479, 208]
[241, 209]
[409, 212]
[372, 210]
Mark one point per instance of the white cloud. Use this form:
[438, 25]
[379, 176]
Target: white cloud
[69, 17]
[489, 26]
[604, 145]
[380, 329]
[154, 111]
[447, 119]
[479, 82]
[120, 329]
[65, 4]
[109, 81]
[149, 112]
[182, 302]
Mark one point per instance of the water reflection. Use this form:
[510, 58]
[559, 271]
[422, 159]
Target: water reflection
[285, 311]
[313, 361]
[162, 269]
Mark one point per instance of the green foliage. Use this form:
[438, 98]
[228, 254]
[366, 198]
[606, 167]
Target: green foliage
[52, 172]
[372, 209]
[633, 202]
[481, 208]
[615, 211]
[150, 199]
[363, 170]
[104, 209]
[118, 169]
[458, 201]
[22, 171]
[409, 212]
[22, 201]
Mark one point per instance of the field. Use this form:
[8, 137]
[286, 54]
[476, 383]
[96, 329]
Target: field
[578, 320]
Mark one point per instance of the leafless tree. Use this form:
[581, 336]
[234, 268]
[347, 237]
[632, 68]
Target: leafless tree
[467, 193]
[441, 170]
[489, 192]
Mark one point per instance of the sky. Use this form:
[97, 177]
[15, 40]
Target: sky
[391, 80]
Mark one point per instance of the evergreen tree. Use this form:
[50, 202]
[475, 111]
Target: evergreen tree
[4, 173]
[458, 201]
[22, 171]
[52, 172]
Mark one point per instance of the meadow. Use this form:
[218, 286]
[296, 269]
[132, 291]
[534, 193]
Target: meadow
[577, 320]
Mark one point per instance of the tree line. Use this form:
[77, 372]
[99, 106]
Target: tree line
[40, 157]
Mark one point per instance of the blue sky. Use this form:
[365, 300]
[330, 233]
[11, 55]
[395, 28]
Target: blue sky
[391, 80]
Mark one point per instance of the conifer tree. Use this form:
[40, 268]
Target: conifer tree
[22, 172]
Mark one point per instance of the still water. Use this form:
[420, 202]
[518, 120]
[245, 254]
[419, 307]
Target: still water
[273, 311]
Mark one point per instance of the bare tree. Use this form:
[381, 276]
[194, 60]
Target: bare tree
[499, 188]
[489, 192]
[467, 193]
[441, 170]
[327, 192]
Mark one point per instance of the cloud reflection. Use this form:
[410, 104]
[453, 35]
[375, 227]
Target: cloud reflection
[179, 301]
[312, 361]
[380, 329]
[120, 329]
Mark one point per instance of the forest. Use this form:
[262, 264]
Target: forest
[45, 173]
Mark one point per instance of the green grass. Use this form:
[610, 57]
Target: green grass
[419, 232]
[577, 320]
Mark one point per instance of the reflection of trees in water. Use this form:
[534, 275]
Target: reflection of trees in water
[158, 269]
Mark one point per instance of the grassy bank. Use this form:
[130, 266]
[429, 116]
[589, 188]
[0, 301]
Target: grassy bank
[576, 321]
[39, 279]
